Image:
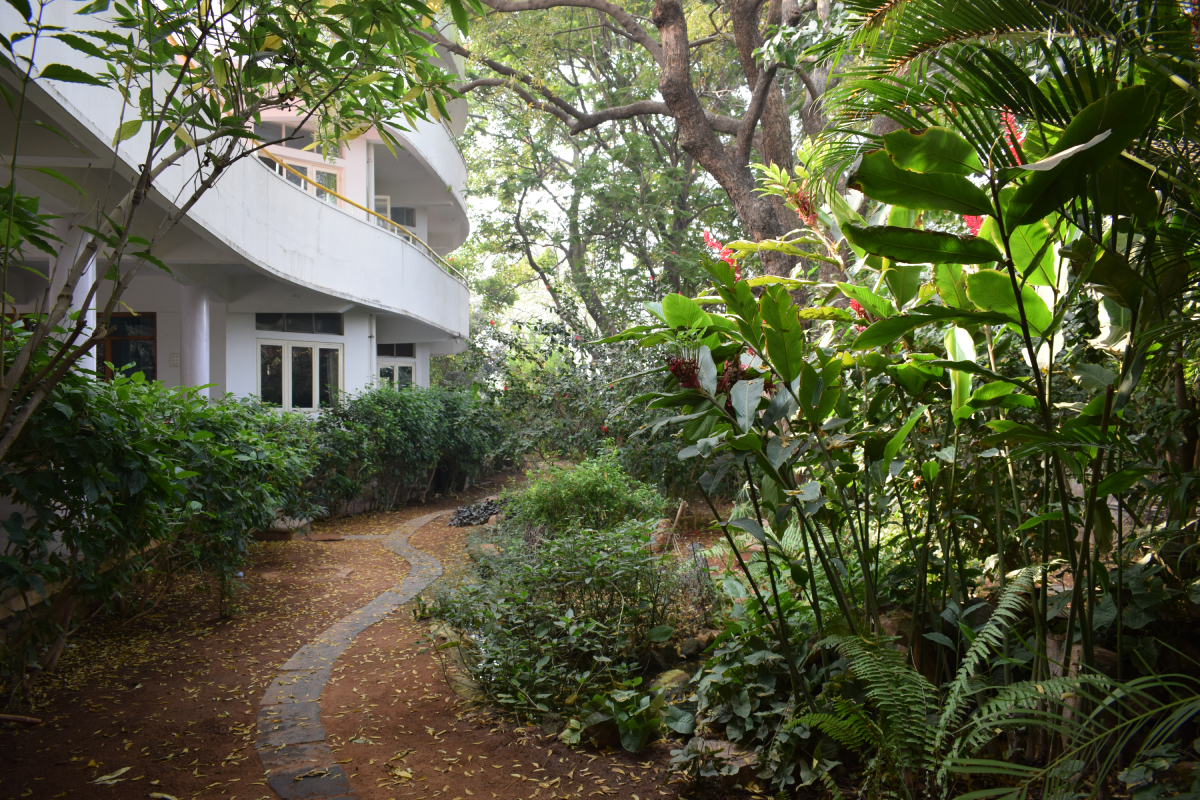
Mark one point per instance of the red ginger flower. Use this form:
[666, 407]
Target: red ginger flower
[858, 309]
[805, 209]
[686, 370]
[1013, 135]
[973, 222]
[724, 253]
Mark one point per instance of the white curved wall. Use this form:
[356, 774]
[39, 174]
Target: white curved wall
[290, 234]
[432, 143]
[273, 226]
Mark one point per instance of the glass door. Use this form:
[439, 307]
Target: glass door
[299, 376]
[395, 372]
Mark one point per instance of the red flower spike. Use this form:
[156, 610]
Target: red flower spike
[973, 223]
[1013, 135]
[858, 309]
[722, 252]
[806, 210]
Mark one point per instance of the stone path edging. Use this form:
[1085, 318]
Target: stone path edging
[291, 741]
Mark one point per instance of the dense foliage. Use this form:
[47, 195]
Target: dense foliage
[596, 494]
[972, 523]
[561, 619]
[380, 448]
[122, 485]
[562, 397]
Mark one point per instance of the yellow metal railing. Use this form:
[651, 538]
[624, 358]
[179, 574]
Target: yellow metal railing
[388, 224]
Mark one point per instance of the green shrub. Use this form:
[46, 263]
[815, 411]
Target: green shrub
[559, 624]
[125, 482]
[597, 493]
[385, 444]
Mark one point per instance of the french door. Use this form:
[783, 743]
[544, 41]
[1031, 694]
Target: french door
[299, 376]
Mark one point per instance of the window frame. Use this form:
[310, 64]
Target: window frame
[395, 361]
[107, 341]
[287, 345]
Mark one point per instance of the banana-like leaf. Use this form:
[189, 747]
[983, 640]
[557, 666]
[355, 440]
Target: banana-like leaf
[938, 150]
[993, 290]
[922, 247]
[879, 178]
[1126, 113]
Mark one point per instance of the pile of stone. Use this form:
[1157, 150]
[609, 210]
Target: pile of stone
[476, 514]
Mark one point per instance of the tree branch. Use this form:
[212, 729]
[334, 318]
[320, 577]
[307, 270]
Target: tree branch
[758, 101]
[624, 18]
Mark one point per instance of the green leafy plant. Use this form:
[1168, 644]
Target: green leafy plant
[566, 624]
[597, 493]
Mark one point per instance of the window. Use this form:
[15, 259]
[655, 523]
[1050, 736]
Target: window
[291, 177]
[299, 376]
[300, 323]
[269, 131]
[298, 139]
[404, 216]
[395, 350]
[329, 180]
[383, 207]
[396, 375]
[132, 342]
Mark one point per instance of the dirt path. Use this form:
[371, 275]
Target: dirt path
[170, 701]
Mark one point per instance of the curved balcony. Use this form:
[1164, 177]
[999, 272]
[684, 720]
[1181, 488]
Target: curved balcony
[286, 232]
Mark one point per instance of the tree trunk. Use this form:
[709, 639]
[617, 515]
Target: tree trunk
[759, 215]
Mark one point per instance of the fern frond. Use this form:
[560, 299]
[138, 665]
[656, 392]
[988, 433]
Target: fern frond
[988, 640]
[902, 696]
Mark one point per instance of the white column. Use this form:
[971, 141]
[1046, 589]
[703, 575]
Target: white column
[194, 337]
[372, 352]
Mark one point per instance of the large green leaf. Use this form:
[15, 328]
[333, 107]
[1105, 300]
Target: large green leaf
[879, 307]
[922, 247]
[892, 448]
[745, 396]
[938, 150]
[880, 179]
[904, 281]
[993, 290]
[1126, 112]
[960, 347]
[1115, 279]
[951, 285]
[1033, 252]
[889, 330]
[786, 351]
[681, 312]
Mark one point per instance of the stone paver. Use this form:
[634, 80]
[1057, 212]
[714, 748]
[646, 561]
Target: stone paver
[291, 741]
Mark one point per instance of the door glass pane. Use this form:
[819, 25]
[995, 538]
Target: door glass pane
[130, 327]
[302, 377]
[387, 375]
[137, 355]
[403, 377]
[270, 365]
[329, 181]
[327, 376]
[293, 177]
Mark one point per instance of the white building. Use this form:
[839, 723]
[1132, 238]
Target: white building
[282, 284]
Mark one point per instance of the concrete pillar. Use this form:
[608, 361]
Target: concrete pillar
[194, 337]
[372, 352]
